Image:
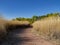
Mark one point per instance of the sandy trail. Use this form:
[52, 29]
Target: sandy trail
[24, 37]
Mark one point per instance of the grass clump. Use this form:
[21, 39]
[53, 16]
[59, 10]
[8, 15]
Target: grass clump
[48, 28]
[8, 26]
[3, 31]
[12, 25]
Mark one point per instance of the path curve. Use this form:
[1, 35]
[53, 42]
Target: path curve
[24, 37]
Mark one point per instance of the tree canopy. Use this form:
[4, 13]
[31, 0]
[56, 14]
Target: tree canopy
[35, 18]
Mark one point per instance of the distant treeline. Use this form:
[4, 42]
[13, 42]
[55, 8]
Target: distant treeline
[35, 18]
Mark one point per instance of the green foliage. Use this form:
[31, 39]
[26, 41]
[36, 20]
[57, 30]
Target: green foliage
[35, 18]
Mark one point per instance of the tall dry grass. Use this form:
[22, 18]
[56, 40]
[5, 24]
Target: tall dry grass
[7, 26]
[48, 28]
[12, 25]
[3, 31]
[15, 22]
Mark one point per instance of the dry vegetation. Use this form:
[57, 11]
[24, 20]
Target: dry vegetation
[48, 28]
[15, 22]
[11, 25]
[6, 26]
[3, 31]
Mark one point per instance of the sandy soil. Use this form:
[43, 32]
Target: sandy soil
[24, 37]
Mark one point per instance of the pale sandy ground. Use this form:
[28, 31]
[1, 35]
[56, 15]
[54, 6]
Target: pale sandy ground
[25, 37]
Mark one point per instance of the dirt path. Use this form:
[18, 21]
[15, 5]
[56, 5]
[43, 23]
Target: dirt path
[24, 37]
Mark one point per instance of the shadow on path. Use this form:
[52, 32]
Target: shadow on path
[13, 39]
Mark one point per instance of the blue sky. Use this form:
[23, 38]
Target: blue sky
[27, 8]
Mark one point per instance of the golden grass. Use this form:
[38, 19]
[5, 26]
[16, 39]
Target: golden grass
[3, 31]
[48, 27]
[12, 25]
[15, 22]
[6, 26]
